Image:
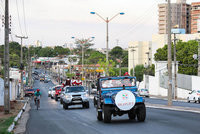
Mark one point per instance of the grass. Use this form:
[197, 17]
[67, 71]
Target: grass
[4, 124]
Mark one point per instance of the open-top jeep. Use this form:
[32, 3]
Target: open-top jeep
[117, 96]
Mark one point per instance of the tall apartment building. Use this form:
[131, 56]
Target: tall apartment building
[180, 15]
[195, 17]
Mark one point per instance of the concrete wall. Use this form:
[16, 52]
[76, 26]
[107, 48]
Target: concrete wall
[14, 90]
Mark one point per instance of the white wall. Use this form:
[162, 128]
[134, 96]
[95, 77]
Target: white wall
[195, 82]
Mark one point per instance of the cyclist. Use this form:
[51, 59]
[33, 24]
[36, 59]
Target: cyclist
[37, 95]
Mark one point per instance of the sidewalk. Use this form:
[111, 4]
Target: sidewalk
[175, 108]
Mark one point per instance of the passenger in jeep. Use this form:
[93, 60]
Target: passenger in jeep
[68, 82]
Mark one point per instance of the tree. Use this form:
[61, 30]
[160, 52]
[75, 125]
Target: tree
[116, 52]
[185, 51]
[125, 59]
[58, 50]
[103, 65]
[150, 70]
[95, 56]
[46, 52]
[85, 43]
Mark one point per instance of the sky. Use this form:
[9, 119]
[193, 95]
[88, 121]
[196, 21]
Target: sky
[54, 22]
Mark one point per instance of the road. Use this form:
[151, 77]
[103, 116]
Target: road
[53, 119]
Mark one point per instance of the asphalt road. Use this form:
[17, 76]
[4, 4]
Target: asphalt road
[51, 118]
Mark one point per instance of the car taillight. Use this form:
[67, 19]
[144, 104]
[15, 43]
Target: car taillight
[198, 94]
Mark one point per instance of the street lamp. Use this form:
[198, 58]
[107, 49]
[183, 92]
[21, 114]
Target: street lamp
[83, 44]
[107, 21]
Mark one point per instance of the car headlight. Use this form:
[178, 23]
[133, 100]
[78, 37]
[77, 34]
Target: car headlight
[67, 96]
[84, 95]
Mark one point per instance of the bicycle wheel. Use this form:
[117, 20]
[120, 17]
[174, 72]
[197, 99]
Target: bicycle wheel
[37, 104]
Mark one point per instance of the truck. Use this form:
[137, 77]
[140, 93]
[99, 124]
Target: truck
[117, 96]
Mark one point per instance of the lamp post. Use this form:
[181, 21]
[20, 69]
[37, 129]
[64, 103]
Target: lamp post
[132, 50]
[107, 36]
[83, 43]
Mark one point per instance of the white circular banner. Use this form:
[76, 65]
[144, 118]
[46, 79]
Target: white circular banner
[125, 100]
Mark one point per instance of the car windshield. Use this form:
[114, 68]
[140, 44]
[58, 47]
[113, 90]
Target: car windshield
[118, 83]
[198, 91]
[144, 89]
[58, 88]
[74, 89]
[53, 89]
[29, 89]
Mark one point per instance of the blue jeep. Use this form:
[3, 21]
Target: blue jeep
[117, 96]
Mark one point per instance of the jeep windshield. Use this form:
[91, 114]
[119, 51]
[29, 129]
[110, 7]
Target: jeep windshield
[117, 83]
[75, 89]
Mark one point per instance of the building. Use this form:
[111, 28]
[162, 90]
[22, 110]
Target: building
[139, 52]
[195, 17]
[180, 15]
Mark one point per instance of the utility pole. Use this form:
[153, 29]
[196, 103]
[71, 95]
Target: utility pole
[107, 39]
[132, 50]
[169, 55]
[199, 58]
[21, 65]
[175, 74]
[82, 60]
[29, 67]
[6, 62]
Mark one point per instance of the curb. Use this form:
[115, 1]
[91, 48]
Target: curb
[11, 127]
[174, 108]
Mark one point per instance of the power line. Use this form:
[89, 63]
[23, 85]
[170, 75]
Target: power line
[18, 18]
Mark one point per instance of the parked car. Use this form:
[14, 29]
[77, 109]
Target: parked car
[75, 95]
[143, 92]
[194, 96]
[117, 96]
[29, 92]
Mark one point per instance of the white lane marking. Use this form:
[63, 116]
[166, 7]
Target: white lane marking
[174, 108]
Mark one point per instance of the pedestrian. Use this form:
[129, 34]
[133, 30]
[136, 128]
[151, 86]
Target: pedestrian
[78, 82]
[73, 81]
[68, 82]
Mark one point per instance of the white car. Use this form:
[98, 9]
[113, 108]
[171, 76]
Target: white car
[75, 95]
[49, 92]
[194, 96]
[143, 92]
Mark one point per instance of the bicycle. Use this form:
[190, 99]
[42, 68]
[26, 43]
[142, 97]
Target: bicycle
[37, 103]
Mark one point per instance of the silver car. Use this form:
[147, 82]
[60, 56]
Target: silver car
[144, 92]
[75, 95]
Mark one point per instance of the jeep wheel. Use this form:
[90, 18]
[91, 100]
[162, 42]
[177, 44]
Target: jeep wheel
[132, 115]
[99, 115]
[56, 98]
[51, 97]
[141, 112]
[65, 106]
[106, 114]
